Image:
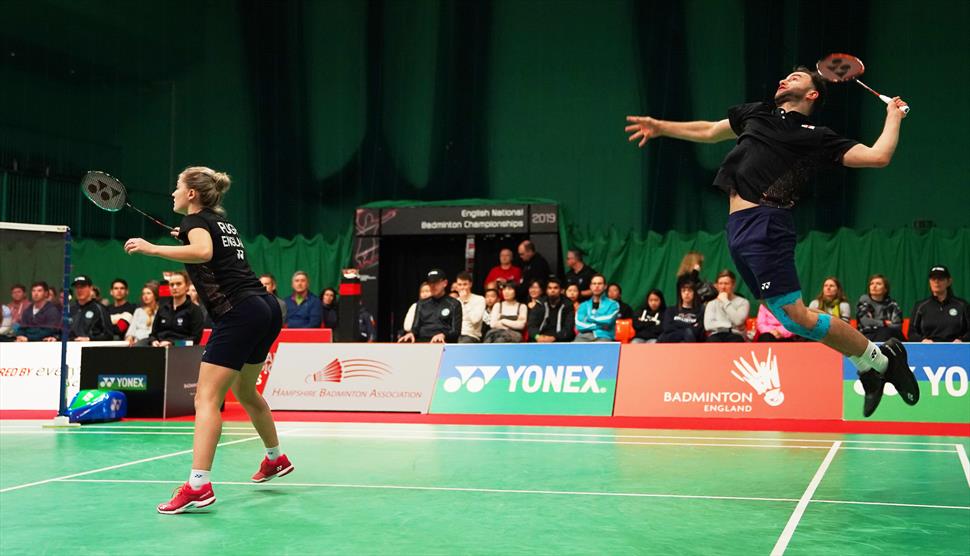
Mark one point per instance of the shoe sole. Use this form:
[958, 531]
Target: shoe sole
[286, 471]
[908, 379]
[190, 506]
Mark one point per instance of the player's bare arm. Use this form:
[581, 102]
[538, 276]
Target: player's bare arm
[199, 249]
[645, 128]
[881, 152]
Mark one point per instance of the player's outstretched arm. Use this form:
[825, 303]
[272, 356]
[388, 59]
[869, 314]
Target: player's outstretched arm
[645, 128]
[881, 152]
[199, 249]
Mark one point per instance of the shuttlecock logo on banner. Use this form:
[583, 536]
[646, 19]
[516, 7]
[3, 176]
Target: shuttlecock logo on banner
[762, 376]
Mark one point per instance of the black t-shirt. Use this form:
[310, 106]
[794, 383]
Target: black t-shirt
[121, 316]
[437, 315]
[227, 279]
[776, 153]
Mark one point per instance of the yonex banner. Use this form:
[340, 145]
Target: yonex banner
[133, 383]
[942, 371]
[780, 381]
[536, 379]
[353, 377]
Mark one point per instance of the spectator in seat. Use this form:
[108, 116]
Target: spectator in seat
[690, 269]
[178, 320]
[880, 317]
[648, 324]
[769, 329]
[832, 300]
[328, 306]
[194, 298]
[437, 319]
[504, 272]
[534, 268]
[572, 295]
[54, 297]
[615, 292]
[942, 317]
[558, 322]
[121, 311]
[89, 318]
[6, 325]
[269, 282]
[596, 318]
[472, 310]
[726, 314]
[18, 302]
[144, 316]
[508, 319]
[42, 319]
[424, 292]
[579, 273]
[491, 298]
[533, 308]
[685, 321]
[303, 309]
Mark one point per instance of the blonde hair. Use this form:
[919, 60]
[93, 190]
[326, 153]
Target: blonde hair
[209, 184]
[690, 260]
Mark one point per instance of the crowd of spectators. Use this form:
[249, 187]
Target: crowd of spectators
[521, 302]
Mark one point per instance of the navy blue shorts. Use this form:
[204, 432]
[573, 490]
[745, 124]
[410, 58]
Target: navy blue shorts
[245, 334]
[762, 244]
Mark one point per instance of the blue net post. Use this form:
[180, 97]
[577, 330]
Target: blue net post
[65, 324]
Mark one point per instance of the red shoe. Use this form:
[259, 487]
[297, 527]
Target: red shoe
[272, 469]
[187, 498]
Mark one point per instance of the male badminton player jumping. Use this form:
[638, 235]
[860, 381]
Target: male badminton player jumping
[247, 321]
[777, 149]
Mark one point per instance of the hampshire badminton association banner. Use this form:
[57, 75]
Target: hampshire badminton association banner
[533, 379]
[942, 372]
[790, 381]
[353, 377]
[30, 373]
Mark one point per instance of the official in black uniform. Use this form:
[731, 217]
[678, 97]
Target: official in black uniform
[247, 321]
[437, 319]
[778, 147]
[942, 317]
[89, 319]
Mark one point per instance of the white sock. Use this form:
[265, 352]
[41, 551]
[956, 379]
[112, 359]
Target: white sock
[273, 453]
[198, 478]
[871, 358]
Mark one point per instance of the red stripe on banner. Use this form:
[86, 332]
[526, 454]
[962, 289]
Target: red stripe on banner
[349, 289]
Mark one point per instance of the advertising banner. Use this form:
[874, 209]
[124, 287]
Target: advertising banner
[534, 379]
[490, 219]
[790, 381]
[30, 373]
[353, 377]
[941, 370]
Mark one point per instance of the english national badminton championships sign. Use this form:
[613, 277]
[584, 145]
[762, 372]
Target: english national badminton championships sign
[534, 379]
[942, 371]
[792, 381]
[353, 377]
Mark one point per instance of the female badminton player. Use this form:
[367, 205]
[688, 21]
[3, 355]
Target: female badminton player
[247, 321]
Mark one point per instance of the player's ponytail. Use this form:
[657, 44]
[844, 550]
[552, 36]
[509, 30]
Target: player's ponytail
[209, 184]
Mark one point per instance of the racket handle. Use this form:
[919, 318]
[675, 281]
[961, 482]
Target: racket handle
[887, 100]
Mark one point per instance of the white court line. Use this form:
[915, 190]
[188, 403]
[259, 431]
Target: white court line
[796, 516]
[962, 454]
[519, 491]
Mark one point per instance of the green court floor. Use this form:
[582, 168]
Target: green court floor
[436, 489]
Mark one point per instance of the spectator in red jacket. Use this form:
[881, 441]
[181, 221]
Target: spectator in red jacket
[505, 272]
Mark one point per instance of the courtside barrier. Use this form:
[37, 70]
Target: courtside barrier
[353, 377]
[533, 379]
[30, 373]
[941, 370]
[780, 381]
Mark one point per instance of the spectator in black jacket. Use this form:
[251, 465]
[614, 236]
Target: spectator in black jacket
[178, 320]
[879, 316]
[89, 318]
[579, 273]
[328, 299]
[685, 321]
[41, 320]
[437, 319]
[558, 320]
[615, 292]
[942, 317]
[649, 322]
[534, 268]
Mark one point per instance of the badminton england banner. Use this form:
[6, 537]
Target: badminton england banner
[353, 377]
[762, 381]
[942, 371]
[30, 373]
[533, 379]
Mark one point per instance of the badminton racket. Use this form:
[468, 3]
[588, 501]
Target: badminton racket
[108, 193]
[841, 68]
